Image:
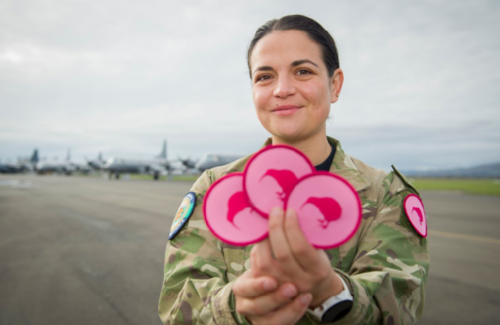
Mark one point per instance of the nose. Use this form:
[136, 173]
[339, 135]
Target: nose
[284, 87]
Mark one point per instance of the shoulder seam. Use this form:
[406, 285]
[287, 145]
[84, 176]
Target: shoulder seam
[404, 180]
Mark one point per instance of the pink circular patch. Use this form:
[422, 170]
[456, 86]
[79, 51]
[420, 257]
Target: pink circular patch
[228, 214]
[414, 209]
[328, 209]
[271, 175]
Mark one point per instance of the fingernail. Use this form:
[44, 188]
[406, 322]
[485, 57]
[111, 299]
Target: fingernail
[269, 285]
[306, 299]
[276, 212]
[290, 291]
[289, 213]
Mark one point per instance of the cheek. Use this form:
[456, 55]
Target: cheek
[259, 102]
[259, 98]
[315, 93]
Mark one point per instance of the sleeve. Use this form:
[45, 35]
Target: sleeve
[195, 286]
[389, 272]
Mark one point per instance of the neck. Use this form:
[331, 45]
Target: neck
[316, 148]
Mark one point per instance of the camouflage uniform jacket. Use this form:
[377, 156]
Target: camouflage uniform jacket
[385, 264]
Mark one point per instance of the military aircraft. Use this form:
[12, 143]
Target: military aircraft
[80, 166]
[10, 168]
[66, 167]
[188, 162]
[98, 163]
[154, 167]
[213, 160]
[21, 166]
[183, 166]
[55, 166]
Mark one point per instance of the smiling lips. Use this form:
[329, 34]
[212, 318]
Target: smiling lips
[285, 110]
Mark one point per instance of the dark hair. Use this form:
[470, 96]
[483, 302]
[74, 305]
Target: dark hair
[314, 30]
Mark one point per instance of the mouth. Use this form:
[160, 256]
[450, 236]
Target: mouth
[285, 110]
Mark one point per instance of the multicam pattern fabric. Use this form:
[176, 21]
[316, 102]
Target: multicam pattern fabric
[385, 264]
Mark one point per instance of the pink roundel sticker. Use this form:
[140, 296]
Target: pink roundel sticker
[328, 209]
[271, 175]
[414, 209]
[228, 214]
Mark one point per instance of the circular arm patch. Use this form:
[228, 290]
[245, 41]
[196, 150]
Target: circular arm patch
[414, 209]
[182, 216]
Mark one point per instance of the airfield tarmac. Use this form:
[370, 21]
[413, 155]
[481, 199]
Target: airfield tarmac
[86, 250]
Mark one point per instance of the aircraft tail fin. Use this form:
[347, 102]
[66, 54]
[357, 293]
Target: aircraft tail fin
[68, 156]
[163, 153]
[34, 157]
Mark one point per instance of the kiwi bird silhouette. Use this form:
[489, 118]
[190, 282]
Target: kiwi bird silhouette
[330, 209]
[419, 212]
[285, 179]
[236, 203]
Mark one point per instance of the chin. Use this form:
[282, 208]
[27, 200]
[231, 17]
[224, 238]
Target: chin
[289, 136]
[285, 127]
[292, 132]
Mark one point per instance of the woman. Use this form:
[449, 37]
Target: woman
[376, 277]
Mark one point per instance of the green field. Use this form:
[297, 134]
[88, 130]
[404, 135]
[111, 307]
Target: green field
[473, 186]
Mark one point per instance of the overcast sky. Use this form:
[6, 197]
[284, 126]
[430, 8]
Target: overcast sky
[421, 89]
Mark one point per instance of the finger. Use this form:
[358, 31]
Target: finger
[264, 263]
[305, 254]
[250, 287]
[280, 245]
[253, 258]
[267, 303]
[288, 314]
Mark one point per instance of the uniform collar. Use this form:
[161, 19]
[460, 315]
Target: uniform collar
[342, 165]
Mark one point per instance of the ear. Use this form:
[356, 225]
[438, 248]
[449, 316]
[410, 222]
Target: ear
[337, 81]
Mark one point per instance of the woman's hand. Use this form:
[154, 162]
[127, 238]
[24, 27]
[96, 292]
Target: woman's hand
[288, 257]
[261, 301]
[286, 276]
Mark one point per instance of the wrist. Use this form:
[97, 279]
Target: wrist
[335, 307]
[334, 288]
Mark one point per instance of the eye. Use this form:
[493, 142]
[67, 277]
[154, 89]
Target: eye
[302, 72]
[263, 77]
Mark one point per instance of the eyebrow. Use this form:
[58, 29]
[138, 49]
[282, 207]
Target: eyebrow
[294, 64]
[299, 62]
[264, 68]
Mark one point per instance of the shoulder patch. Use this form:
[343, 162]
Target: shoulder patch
[405, 181]
[182, 216]
[414, 209]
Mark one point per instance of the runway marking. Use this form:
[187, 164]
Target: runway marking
[462, 236]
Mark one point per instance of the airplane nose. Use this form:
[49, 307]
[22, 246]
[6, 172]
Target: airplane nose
[197, 165]
[108, 164]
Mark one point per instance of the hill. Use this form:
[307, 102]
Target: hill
[481, 171]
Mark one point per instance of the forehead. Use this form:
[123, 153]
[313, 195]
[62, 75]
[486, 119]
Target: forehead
[284, 47]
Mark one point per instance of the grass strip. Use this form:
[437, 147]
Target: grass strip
[467, 185]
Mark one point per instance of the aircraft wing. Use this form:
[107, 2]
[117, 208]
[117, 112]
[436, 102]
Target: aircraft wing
[157, 168]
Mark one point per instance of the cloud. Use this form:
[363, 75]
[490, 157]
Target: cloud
[120, 76]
